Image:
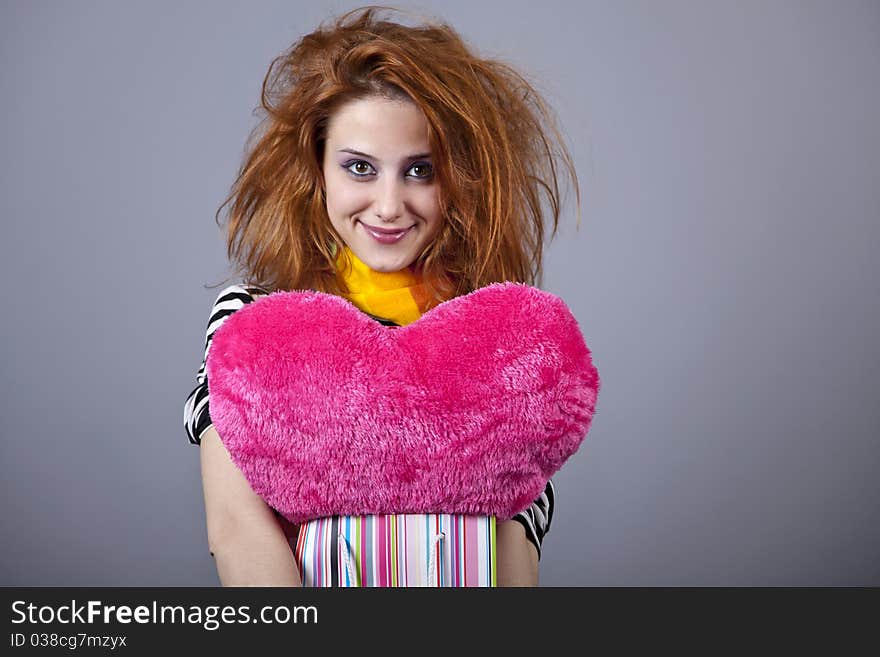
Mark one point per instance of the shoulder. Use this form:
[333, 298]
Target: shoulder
[230, 299]
[196, 417]
[238, 294]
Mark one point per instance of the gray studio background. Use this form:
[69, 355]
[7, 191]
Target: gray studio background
[725, 276]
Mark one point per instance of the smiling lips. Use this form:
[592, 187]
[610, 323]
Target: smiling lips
[385, 235]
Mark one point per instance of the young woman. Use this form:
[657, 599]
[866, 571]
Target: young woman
[397, 169]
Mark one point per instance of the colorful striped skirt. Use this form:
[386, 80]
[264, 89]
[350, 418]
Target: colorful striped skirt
[398, 550]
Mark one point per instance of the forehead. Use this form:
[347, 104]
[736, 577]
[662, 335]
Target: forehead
[378, 125]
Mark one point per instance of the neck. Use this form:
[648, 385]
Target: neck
[399, 296]
[356, 270]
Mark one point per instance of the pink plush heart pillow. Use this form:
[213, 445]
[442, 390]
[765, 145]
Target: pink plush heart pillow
[470, 409]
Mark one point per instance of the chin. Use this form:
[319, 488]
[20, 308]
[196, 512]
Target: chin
[387, 264]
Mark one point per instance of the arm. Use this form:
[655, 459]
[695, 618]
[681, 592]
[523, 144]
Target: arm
[244, 537]
[519, 541]
[517, 556]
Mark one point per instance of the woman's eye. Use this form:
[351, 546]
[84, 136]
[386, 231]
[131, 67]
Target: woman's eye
[360, 168]
[422, 170]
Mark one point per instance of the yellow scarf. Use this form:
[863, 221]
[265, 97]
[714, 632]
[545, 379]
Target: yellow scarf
[399, 296]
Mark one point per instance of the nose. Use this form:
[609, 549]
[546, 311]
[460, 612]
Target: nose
[390, 199]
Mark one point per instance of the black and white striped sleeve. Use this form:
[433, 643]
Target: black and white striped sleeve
[196, 415]
[536, 519]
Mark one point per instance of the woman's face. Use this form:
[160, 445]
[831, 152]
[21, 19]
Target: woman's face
[379, 178]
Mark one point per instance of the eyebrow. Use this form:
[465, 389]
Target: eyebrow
[418, 156]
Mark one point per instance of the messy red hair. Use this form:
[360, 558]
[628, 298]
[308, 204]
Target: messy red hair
[495, 144]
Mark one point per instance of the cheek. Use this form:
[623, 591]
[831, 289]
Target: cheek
[343, 196]
[427, 203]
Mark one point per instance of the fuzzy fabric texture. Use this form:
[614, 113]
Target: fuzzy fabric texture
[470, 409]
